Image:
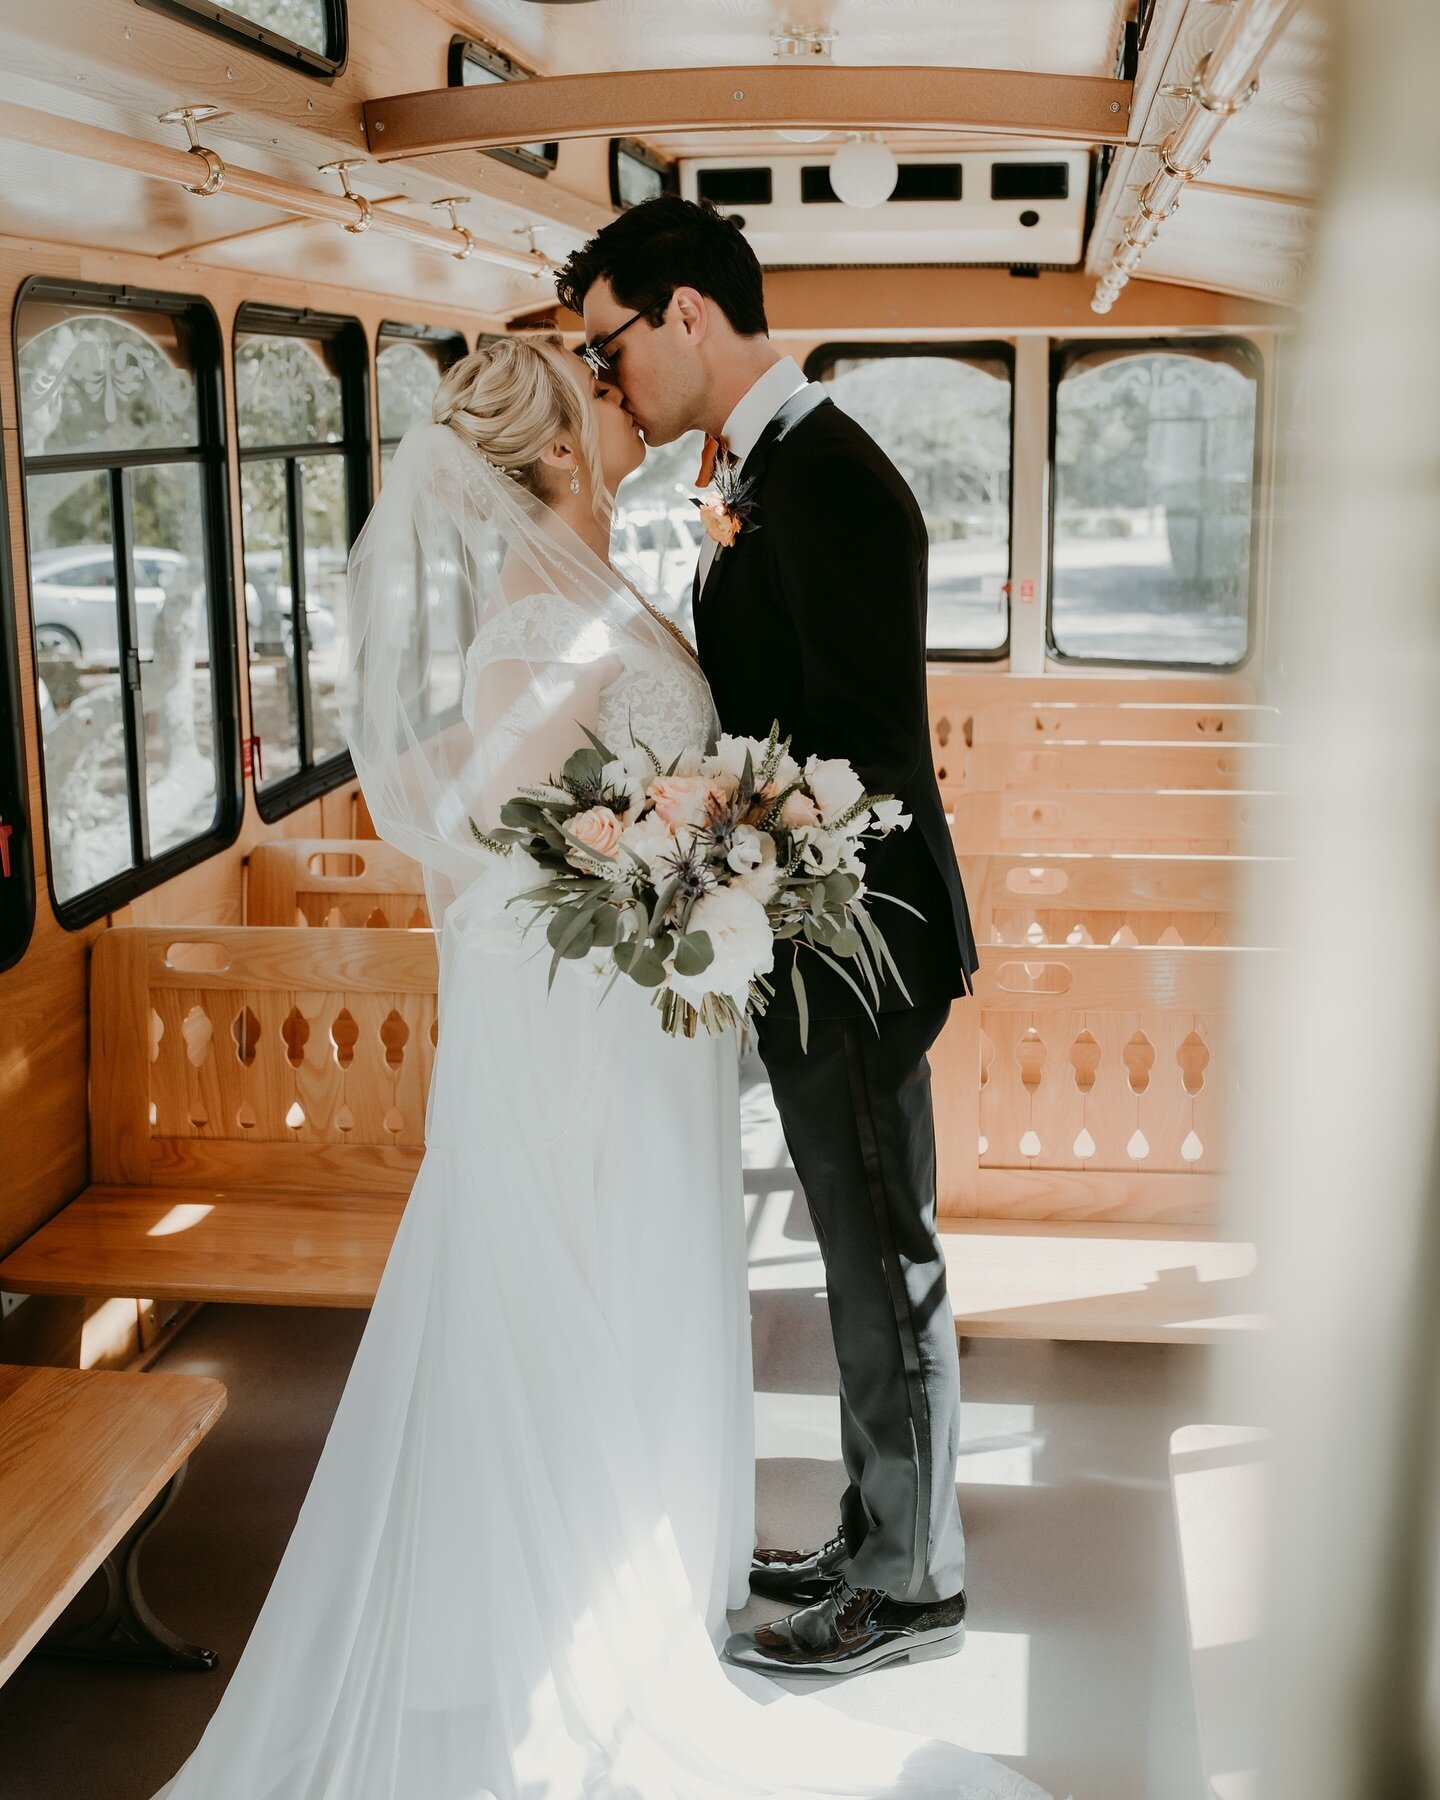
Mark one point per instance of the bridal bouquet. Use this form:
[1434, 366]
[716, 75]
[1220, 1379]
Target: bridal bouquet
[684, 878]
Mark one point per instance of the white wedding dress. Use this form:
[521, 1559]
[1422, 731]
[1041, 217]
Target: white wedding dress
[535, 1502]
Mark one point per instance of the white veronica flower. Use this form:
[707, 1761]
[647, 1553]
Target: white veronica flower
[548, 795]
[834, 784]
[890, 815]
[741, 938]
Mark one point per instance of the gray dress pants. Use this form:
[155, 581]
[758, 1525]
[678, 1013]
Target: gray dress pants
[858, 1122]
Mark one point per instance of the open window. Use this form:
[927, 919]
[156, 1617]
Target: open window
[943, 414]
[301, 399]
[310, 35]
[122, 446]
[409, 361]
[1153, 491]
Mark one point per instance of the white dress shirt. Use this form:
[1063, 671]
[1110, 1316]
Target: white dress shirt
[752, 413]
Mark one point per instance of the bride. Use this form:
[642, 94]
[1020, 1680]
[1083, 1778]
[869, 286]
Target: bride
[535, 1502]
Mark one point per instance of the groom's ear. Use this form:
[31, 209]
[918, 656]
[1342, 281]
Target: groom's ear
[693, 311]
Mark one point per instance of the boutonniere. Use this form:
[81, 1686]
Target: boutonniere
[731, 510]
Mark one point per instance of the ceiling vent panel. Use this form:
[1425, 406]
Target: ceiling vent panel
[977, 207]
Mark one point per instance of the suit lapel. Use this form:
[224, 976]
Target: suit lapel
[802, 401]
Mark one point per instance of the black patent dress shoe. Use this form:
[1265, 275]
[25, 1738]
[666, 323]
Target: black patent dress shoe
[799, 1575]
[851, 1629]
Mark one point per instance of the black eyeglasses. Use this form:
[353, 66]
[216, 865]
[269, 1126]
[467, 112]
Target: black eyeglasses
[601, 366]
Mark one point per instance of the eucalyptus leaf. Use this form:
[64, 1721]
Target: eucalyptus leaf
[694, 954]
[802, 1004]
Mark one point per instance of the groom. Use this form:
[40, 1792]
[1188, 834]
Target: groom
[815, 616]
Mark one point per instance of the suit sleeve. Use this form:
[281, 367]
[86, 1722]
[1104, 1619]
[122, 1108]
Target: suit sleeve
[850, 560]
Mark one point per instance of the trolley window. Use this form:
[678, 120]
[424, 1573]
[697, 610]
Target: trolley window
[122, 442]
[943, 414]
[409, 361]
[302, 406]
[310, 35]
[1154, 482]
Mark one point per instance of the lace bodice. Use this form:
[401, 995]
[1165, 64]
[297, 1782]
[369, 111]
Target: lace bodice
[660, 694]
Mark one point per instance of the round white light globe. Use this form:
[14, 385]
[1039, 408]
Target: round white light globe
[804, 137]
[863, 172]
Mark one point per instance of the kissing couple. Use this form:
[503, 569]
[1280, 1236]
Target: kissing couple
[510, 1577]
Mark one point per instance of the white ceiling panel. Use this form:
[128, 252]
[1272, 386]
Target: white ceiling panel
[1065, 37]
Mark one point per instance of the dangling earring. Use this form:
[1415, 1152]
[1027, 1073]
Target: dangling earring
[575, 481]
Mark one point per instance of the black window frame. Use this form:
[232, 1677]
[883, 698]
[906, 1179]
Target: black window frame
[1069, 350]
[17, 925]
[211, 457]
[638, 151]
[505, 68]
[235, 28]
[257, 317]
[824, 357]
[402, 331]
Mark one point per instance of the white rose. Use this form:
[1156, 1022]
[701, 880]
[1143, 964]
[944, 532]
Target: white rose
[648, 839]
[689, 761]
[730, 754]
[787, 771]
[834, 784]
[890, 815]
[741, 938]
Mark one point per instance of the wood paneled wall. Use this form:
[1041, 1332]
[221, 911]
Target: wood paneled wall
[43, 1040]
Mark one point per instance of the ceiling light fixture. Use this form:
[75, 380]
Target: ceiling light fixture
[797, 43]
[863, 171]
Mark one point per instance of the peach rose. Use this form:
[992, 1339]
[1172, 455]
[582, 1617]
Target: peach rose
[681, 800]
[721, 525]
[799, 813]
[598, 829]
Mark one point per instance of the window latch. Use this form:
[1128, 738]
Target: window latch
[252, 762]
[5, 869]
[132, 669]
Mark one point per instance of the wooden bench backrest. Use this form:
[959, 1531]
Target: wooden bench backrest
[1108, 820]
[215, 1051]
[1099, 1071]
[1143, 766]
[1079, 899]
[328, 881]
[1146, 722]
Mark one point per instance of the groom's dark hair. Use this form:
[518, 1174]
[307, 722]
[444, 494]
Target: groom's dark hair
[664, 244]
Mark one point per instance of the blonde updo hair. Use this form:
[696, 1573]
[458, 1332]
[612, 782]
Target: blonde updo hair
[511, 399]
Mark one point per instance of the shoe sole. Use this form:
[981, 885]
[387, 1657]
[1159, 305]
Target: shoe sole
[924, 1647]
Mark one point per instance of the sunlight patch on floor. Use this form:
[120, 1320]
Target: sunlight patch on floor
[979, 1697]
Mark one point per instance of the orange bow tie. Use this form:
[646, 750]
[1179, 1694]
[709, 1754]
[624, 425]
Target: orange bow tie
[713, 448]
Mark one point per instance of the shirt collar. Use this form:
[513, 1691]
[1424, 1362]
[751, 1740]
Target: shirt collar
[755, 409]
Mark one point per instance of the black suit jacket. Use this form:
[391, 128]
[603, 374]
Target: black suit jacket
[816, 618]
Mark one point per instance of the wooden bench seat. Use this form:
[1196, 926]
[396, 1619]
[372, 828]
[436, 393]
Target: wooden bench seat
[1219, 1483]
[1084, 1282]
[89, 1460]
[257, 1115]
